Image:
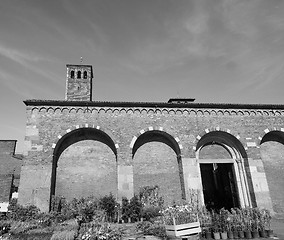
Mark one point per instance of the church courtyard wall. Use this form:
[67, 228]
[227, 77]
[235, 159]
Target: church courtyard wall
[136, 133]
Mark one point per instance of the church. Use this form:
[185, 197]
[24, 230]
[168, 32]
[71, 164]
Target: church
[230, 154]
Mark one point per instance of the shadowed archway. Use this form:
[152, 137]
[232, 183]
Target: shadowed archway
[224, 171]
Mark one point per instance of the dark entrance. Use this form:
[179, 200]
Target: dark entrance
[219, 185]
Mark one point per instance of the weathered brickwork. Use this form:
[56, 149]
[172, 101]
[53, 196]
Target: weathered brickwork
[78, 147]
[47, 124]
[10, 167]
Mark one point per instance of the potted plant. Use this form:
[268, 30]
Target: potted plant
[181, 220]
[235, 223]
[229, 226]
[255, 222]
[240, 225]
[247, 218]
[205, 219]
[266, 223]
[216, 225]
[223, 219]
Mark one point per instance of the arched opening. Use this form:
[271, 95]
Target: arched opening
[85, 75]
[272, 154]
[157, 161]
[84, 164]
[72, 74]
[224, 171]
[79, 74]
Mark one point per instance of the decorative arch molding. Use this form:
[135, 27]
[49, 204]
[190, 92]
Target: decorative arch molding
[84, 126]
[171, 111]
[157, 129]
[231, 142]
[272, 134]
[219, 129]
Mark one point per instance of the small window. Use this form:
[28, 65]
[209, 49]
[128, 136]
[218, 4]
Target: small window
[79, 74]
[72, 74]
[85, 75]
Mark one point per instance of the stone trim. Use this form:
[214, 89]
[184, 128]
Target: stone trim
[266, 131]
[84, 126]
[218, 128]
[161, 129]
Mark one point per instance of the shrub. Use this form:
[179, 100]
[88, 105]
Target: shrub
[124, 209]
[98, 230]
[109, 204]
[22, 213]
[149, 228]
[64, 235]
[135, 208]
[18, 227]
[151, 212]
[5, 226]
[83, 209]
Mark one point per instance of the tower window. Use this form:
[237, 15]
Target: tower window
[79, 74]
[72, 74]
[85, 75]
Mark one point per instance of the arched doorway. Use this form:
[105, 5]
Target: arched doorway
[222, 160]
[157, 161]
[84, 164]
[272, 154]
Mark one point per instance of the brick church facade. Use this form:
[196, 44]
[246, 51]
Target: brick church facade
[231, 154]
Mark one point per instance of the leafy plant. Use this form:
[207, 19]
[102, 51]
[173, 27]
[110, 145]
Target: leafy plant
[22, 213]
[109, 204]
[150, 212]
[179, 214]
[99, 230]
[135, 208]
[149, 228]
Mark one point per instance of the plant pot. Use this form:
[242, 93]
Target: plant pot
[241, 234]
[269, 233]
[262, 233]
[217, 235]
[231, 234]
[183, 229]
[255, 234]
[248, 234]
[236, 234]
[224, 235]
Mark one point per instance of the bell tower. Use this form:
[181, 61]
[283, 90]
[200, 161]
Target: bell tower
[79, 82]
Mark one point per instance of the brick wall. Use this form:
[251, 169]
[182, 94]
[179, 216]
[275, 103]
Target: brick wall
[153, 161]
[10, 165]
[86, 168]
[272, 154]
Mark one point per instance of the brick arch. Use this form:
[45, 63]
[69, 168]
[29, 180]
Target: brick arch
[89, 126]
[158, 134]
[275, 134]
[70, 137]
[271, 153]
[178, 145]
[218, 129]
[231, 142]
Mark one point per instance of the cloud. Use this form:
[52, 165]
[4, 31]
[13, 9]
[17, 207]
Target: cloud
[29, 60]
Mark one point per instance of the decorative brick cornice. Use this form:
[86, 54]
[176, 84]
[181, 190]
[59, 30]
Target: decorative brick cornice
[158, 110]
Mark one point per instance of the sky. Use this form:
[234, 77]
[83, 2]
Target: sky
[217, 51]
